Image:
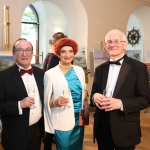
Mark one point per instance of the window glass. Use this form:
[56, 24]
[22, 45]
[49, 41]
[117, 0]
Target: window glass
[30, 27]
[29, 15]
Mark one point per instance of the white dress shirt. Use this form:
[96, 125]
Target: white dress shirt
[35, 113]
[112, 77]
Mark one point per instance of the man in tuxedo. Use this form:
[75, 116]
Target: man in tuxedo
[117, 116]
[21, 115]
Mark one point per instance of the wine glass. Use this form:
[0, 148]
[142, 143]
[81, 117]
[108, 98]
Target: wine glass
[107, 93]
[31, 92]
[66, 93]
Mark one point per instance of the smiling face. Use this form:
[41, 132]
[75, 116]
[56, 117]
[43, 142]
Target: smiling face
[23, 53]
[66, 55]
[115, 44]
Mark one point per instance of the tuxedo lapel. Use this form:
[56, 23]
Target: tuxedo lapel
[39, 81]
[17, 79]
[122, 75]
[105, 75]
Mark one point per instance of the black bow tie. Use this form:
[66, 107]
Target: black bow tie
[117, 62]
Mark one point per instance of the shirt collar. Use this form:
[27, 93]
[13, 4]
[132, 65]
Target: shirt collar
[19, 67]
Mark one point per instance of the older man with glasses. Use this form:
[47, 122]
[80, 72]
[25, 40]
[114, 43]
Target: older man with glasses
[20, 106]
[120, 91]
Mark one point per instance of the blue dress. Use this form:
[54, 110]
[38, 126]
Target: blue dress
[72, 139]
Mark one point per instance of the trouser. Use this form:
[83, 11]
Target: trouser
[34, 137]
[48, 141]
[104, 136]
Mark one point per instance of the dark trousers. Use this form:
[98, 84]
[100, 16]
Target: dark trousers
[34, 137]
[104, 136]
[48, 141]
[109, 145]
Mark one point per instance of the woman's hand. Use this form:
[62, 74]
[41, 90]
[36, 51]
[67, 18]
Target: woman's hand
[61, 101]
[86, 108]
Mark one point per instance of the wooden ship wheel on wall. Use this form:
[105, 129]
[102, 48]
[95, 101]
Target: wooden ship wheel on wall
[133, 36]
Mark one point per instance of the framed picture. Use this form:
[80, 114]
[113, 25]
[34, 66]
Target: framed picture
[135, 54]
[80, 57]
[6, 61]
[148, 69]
[99, 57]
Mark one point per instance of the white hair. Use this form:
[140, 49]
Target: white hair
[118, 32]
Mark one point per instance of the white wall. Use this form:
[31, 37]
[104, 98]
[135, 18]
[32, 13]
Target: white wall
[143, 15]
[76, 19]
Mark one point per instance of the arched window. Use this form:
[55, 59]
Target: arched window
[30, 27]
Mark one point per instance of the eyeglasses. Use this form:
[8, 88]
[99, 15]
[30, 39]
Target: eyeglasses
[116, 42]
[21, 51]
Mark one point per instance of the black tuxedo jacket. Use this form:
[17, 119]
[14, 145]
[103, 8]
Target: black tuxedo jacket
[12, 90]
[132, 88]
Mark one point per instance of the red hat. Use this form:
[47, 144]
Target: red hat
[65, 42]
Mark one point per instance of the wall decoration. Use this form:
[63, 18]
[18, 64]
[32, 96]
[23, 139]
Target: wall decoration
[80, 58]
[148, 69]
[100, 56]
[133, 36]
[135, 54]
[6, 61]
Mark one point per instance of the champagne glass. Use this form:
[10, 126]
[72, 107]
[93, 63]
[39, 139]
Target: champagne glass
[66, 93]
[31, 92]
[107, 93]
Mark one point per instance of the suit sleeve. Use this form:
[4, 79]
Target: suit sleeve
[7, 107]
[94, 87]
[141, 98]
